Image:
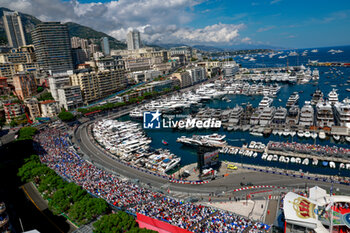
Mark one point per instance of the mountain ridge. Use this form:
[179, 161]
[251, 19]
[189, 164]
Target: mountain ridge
[29, 22]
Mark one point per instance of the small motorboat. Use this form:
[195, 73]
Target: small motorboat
[306, 161]
[275, 158]
[264, 156]
[164, 142]
[325, 163]
[347, 138]
[322, 135]
[300, 133]
[331, 164]
[307, 134]
[336, 137]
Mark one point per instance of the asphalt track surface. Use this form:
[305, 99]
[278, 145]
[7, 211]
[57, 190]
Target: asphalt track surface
[217, 186]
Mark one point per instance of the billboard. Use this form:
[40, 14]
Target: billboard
[211, 158]
[157, 225]
[305, 212]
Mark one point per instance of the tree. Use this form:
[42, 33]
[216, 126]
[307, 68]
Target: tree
[39, 89]
[87, 209]
[66, 116]
[26, 171]
[13, 123]
[26, 133]
[45, 96]
[230, 59]
[120, 222]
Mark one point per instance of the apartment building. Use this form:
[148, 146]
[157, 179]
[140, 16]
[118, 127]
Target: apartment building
[56, 82]
[25, 85]
[69, 97]
[53, 47]
[96, 85]
[197, 74]
[12, 110]
[14, 29]
[33, 107]
[137, 64]
[49, 108]
[184, 78]
[4, 87]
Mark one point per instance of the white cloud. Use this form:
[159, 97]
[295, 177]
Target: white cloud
[264, 29]
[275, 1]
[158, 20]
[217, 33]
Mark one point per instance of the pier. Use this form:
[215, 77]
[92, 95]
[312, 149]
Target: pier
[309, 156]
[330, 64]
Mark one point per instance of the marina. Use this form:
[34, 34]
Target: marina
[127, 141]
[256, 110]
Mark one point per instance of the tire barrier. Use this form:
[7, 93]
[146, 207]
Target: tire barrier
[189, 182]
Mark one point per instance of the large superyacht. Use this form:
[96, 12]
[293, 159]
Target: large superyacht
[333, 97]
[316, 97]
[280, 116]
[293, 115]
[306, 115]
[324, 114]
[266, 116]
[293, 99]
[235, 115]
[342, 112]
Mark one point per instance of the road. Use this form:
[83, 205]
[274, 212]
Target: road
[224, 184]
[55, 222]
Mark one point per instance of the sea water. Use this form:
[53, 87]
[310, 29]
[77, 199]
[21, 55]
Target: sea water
[188, 154]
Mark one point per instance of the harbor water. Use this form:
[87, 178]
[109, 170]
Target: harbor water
[329, 78]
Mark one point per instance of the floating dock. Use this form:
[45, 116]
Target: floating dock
[339, 64]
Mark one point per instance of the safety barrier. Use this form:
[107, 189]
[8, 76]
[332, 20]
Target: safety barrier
[257, 187]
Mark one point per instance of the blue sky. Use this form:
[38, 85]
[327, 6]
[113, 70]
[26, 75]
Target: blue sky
[284, 23]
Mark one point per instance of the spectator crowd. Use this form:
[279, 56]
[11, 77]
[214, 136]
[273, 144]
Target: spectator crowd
[307, 148]
[56, 151]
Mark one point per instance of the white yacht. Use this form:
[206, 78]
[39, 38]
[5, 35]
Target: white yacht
[333, 97]
[293, 99]
[127, 141]
[306, 115]
[315, 74]
[136, 113]
[215, 140]
[316, 96]
[293, 115]
[255, 117]
[235, 115]
[266, 116]
[280, 116]
[168, 164]
[342, 112]
[324, 114]
[265, 102]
